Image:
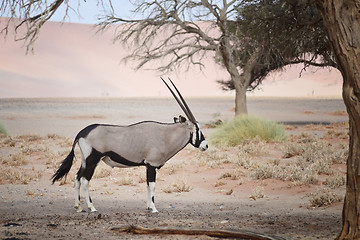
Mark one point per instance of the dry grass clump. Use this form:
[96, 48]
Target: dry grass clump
[102, 172]
[245, 127]
[30, 137]
[233, 175]
[17, 159]
[336, 134]
[254, 146]
[7, 141]
[215, 157]
[219, 183]
[335, 181]
[323, 197]
[257, 193]
[180, 186]
[16, 175]
[127, 180]
[311, 158]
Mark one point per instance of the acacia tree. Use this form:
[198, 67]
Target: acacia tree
[342, 21]
[189, 30]
[287, 32]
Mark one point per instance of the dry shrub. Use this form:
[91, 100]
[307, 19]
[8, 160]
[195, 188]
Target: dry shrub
[335, 181]
[215, 157]
[28, 148]
[336, 134]
[220, 183]
[30, 137]
[246, 161]
[17, 159]
[254, 146]
[257, 193]
[52, 159]
[16, 175]
[291, 150]
[180, 186]
[312, 158]
[125, 181]
[8, 141]
[102, 172]
[234, 175]
[142, 178]
[263, 171]
[323, 197]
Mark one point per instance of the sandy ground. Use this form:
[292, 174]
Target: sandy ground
[32, 208]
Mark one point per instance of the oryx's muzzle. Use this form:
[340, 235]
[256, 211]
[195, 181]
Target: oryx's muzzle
[203, 145]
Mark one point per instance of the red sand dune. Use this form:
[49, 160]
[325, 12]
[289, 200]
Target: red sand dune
[71, 60]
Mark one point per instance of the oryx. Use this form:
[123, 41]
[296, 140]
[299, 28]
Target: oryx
[147, 143]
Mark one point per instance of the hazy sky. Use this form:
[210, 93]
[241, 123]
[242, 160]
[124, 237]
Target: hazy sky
[91, 10]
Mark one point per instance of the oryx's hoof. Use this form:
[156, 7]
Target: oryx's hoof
[93, 210]
[152, 210]
[79, 209]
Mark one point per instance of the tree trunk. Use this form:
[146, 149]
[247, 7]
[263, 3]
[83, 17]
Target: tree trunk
[240, 99]
[342, 21]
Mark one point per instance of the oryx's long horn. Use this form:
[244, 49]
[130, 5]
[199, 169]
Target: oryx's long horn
[191, 115]
[185, 109]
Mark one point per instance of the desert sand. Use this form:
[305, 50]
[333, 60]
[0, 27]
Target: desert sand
[217, 189]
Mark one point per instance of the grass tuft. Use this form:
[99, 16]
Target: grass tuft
[244, 127]
[3, 131]
[180, 186]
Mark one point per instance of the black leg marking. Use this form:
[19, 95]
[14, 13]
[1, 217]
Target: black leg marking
[150, 174]
[153, 199]
[91, 162]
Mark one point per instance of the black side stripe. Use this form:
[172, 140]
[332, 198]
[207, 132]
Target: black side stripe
[121, 160]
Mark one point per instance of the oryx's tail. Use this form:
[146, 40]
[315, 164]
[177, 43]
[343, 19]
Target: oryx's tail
[65, 165]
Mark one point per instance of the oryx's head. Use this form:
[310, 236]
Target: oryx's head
[197, 138]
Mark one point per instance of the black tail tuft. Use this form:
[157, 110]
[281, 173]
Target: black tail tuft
[64, 168]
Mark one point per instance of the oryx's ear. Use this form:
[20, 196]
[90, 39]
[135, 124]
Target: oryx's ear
[180, 119]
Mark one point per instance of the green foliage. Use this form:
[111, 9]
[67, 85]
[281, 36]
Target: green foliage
[3, 129]
[247, 127]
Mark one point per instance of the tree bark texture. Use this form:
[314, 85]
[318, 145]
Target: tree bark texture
[342, 21]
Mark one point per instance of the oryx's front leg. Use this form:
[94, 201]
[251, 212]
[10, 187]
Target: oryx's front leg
[150, 178]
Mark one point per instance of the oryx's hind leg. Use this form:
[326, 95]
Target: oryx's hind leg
[150, 178]
[90, 159]
[77, 194]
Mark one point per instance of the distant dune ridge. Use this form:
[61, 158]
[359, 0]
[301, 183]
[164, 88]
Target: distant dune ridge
[70, 60]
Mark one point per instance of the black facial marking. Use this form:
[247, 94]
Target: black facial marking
[197, 139]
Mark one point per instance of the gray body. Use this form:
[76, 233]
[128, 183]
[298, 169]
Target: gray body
[143, 143]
